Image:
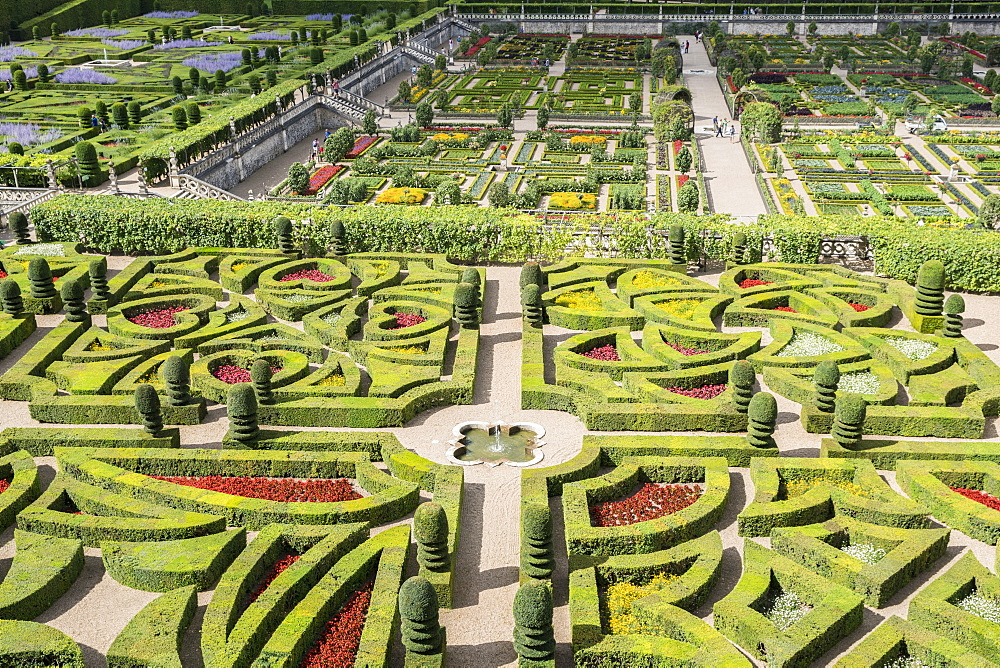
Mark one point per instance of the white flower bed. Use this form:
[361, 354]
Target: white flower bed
[869, 554]
[236, 316]
[907, 662]
[859, 382]
[786, 609]
[50, 250]
[331, 318]
[298, 298]
[915, 349]
[807, 344]
[980, 606]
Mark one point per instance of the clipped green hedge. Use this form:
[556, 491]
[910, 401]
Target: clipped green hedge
[897, 638]
[152, 639]
[162, 566]
[44, 568]
[25, 644]
[929, 483]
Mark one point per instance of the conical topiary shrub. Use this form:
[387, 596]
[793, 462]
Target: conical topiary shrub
[954, 307]
[72, 297]
[849, 420]
[418, 612]
[537, 556]
[531, 274]
[741, 379]
[471, 275]
[534, 639]
[762, 414]
[531, 305]
[98, 271]
[930, 288]
[241, 404]
[826, 377]
[467, 305]
[19, 225]
[177, 377]
[739, 247]
[338, 245]
[283, 233]
[430, 528]
[675, 245]
[147, 402]
[260, 374]
[40, 277]
[10, 297]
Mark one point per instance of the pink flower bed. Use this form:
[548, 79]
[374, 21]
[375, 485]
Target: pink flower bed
[687, 352]
[606, 353]
[314, 275]
[159, 318]
[703, 392]
[232, 374]
[320, 178]
[407, 320]
[360, 146]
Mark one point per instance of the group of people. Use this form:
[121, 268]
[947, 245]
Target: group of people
[726, 128]
[751, 10]
[686, 46]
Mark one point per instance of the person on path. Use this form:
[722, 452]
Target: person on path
[715, 124]
[725, 125]
[336, 88]
[413, 71]
[732, 132]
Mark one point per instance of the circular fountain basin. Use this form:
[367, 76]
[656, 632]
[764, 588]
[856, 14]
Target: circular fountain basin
[494, 443]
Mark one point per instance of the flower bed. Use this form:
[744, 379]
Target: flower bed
[338, 645]
[320, 178]
[679, 308]
[232, 374]
[859, 382]
[647, 279]
[651, 501]
[607, 353]
[987, 500]
[160, 318]
[483, 41]
[361, 145]
[687, 352]
[407, 320]
[573, 201]
[912, 348]
[807, 344]
[402, 196]
[581, 300]
[4, 484]
[703, 392]
[314, 275]
[279, 567]
[753, 283]
[786, 309]
[284, 490]
[860, 308]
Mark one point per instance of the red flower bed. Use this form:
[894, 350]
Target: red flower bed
[232, 374]
[156, 318]
[651, 501]
[314, 275]
[338, 645]
[687, 352]
[284, 490]
[678, 144]
[360, 146]
[407, 320]
[786, 309]
[987, 500]
[753, 283]
[4, 484]
[320, 177]
[483, 41]
[279, 567]
[703, 392]
[858, 307]
[682, 179]
[606, 353]
[978, 86]
[3, 274]
[732, 86]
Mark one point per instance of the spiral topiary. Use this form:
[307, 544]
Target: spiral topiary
[10, 297]
[338, 247]
[741, 379]
[762, 414]
[675, 245]
[739, 247]
[534, 639]
[40, 277]
[531, 274]
[72, 297]
[177, 376]
[954, 306]
[283, 232]
[19, 225]
[849, 419]
[98, 271]
[242, 407]
[418, 612]
[930, 288]
[826, 377]
[430, 528]
[531, 305]
[467, 305]
[538, 558]
[147, 403]
[260, 374]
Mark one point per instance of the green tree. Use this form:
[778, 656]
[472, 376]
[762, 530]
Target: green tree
[790, 27]
[20, 80]
[683, 160]
[813, 27]
[505, 115]
[467, 305]
[424, 114]
[338, 234]
[989, 212]
[742, 379]
[440, 62]
[120, 115]
[90, 168]
[19, 225]
[762, 122]
[424, 76]
[283, 234]
[315, 55]
[499, 195]
[537, 554]
[543, 118]
[338, 145]
[369, 124]
[193, 112]
[221, 80]
[134, 112]
[178, 85]
[688, 198]
[404, 91]
[44, 76]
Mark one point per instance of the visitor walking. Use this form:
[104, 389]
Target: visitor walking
[413, 72]
[336, 88]
[315, 150]
[715, 124]
[732, 132]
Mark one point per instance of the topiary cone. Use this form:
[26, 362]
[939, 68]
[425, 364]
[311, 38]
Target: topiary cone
[930, 288]
[40, 277]
[533, 636]
[531, 274]
[430, 528]
[242, 408]
[826, 377]
[739, 247]
[849, 420]
[531, 305]
[72, 297]
[283, 233]
[471, 275]
[98, 271]
[762, 414]
[418, 612]
[19, 225]
[741, 379]
[338, 247]
[177, 376]
[953, 309]
[147, 402]
[467, 305]
[10, 297]
[537, 558]
[260, 374]
[675, 245]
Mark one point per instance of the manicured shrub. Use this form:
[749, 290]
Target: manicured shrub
[543, 118]
[98, 272]
[471, 275]
[10, 297]
[177, 376]
[179, 117]
[242, 407]
[72, 297]
[338, 145]
[15, 148]
[86, 158]
[424, 114]
[683, 160]
[531, 274]
[739, 247]
[20, 80]
[19, 225]
[537, 556]
[260, 374]
[467, 304]
[675, 241]
[499, 195]
[848, 419]
[989, 212]
[533, 635]
[147, 403]
[120, 115]
[83, 115]
[430, 528]
[283, 233]
[40, 277]
[825, 379]
[688, 198]
[315, 55]
[134, 110]
[298, 177]
[954, 306]
[221, 81]
[362, 35]
[531, 304]
[762, 414]
[338, 247]
[193, 112]
[418, 611]
[930, 288]
[741, 379]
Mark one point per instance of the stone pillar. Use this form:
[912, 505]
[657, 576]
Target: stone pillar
[240, 167]
[281, 124]
[173, 171]
[143, 188]
[113, 175]
[50, 172]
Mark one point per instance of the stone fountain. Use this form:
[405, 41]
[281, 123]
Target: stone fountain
[494, 443]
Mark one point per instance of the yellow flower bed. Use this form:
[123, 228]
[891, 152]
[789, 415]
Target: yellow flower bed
[679, 308]
[97, 345]
[573, 201]
[620, 597]
[236, 266]
[333, 380]
[150, 376]
[647, 279]
[795, 488]
[581, 300]
[402, 196]
[450, 137]
[408, 350]
[587, 139]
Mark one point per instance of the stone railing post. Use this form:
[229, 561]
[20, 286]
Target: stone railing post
[143, 187]
[173, 170]
[113, 175]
